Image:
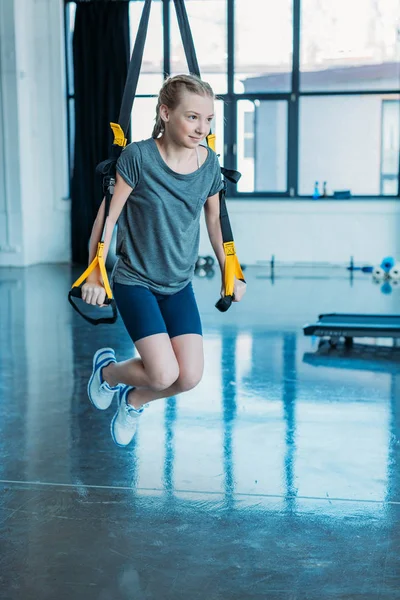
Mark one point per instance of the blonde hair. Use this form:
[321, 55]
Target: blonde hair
[171, 92]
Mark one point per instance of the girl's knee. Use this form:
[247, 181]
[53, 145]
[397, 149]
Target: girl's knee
[187, 381]
[164, 377]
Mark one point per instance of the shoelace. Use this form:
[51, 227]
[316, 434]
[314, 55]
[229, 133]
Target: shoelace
[105, 388]
[129, 410]
[130, 414]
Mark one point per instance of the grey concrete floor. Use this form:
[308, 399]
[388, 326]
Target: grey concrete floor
[276, 478]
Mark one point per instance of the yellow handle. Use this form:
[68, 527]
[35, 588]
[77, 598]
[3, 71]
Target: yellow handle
[119, 136]
[211, 141]
[232, 268]
[98, 260]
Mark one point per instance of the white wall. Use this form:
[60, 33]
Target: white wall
[313, 231]
[34, 215]
[10, 200]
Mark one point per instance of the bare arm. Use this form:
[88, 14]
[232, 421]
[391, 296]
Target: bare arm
[93, 291]
[211, 211]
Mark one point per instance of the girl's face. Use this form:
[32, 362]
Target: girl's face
[190, 122]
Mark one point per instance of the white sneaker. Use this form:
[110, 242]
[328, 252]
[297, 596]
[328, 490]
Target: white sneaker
[100, 393]
[125, 420]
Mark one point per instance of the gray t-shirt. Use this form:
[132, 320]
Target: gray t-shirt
[159, 227]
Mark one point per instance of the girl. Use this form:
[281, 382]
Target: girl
[162, 183]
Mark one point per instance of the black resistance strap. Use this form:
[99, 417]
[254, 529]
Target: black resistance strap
[232, 265]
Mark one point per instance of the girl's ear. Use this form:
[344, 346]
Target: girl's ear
[164, 113]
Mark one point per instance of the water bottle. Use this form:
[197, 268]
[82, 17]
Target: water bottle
[316, 193]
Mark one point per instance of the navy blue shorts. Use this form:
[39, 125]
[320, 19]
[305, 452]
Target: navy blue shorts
[145, 313]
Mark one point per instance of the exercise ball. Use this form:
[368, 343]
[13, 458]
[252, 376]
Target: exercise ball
[394, 272]
[200, 262]
[387, 263]
[209, 261]
[378, 273]
[200, 272]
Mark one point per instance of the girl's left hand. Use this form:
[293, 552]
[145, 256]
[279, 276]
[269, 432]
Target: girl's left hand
[239, 290]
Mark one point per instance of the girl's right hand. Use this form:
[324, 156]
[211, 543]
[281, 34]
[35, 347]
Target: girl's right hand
[93, 293]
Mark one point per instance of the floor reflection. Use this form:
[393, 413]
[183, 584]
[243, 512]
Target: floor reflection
[283, 446]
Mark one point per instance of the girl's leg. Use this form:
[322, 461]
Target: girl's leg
[156, 369]
[164, 357]
[182, 320]
[188, 350]
[169, 364]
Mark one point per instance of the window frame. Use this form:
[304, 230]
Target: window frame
[231, 100]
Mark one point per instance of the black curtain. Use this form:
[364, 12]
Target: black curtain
[101, 60]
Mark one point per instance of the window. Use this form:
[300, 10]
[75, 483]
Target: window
[248, 134]
[351, 142]
[217, 127]
[343, 49]
[305, 91]
[390, 147]
[208, 24]
[262, 145]
[263, 45]
[69, 30]
[151, 74]
[143, 118]
[340, 143]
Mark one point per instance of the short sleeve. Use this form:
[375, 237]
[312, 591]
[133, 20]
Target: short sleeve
[128, 164]
[216, 178]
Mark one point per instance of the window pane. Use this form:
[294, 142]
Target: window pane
[143, 118]
[248, 148]
[342, 140]
[262, 146]
[340, 52]
[390, 137]
[151, 74]
[71, 114]
[389, 187]
[218, 128]
[263, 45]
[390, 146]
[207, 19]
[70, 25]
